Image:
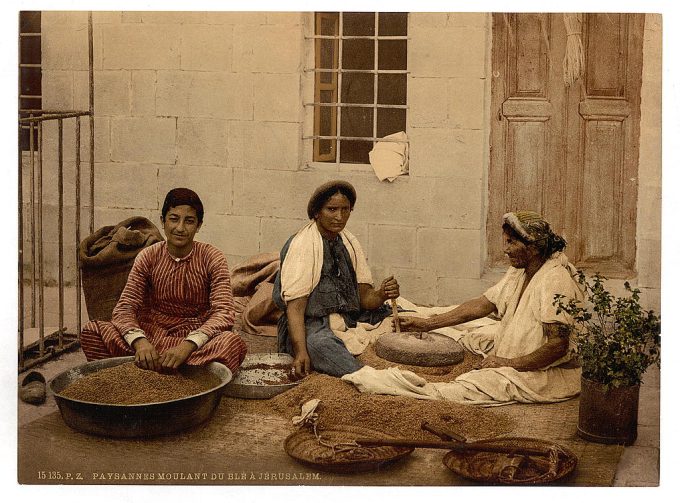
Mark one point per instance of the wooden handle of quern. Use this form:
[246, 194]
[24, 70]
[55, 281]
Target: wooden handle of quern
[395, 315]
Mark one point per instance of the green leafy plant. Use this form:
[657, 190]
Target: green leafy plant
[617, 339]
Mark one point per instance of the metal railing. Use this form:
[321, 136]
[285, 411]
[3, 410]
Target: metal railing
[37, 342]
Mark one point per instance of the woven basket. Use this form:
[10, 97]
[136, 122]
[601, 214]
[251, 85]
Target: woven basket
[305, 448]
[102, 289]
[515, 468]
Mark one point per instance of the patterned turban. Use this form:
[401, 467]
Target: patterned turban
[533, 229]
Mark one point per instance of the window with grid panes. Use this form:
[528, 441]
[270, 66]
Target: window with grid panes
[30, 71]
[360, 82]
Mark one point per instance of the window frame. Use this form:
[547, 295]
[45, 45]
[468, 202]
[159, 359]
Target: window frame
[35, 100]
[313, 100]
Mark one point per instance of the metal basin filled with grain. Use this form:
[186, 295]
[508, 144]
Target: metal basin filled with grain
[143, 419]
[262, 376]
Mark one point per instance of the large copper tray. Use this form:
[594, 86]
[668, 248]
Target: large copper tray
[139, 420]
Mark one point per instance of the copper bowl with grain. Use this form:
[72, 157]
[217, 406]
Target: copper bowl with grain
[139, 419]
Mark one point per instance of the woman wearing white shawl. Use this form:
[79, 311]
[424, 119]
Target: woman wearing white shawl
[533, 358]
[324, 272]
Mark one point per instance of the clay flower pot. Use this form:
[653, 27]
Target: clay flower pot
[608, 415]
[617, 341]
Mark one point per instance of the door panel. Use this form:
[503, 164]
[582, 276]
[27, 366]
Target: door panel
[526, 144]
[522, 132]
[605, 37]
[601, 171]
[569, 153]
[528, 55]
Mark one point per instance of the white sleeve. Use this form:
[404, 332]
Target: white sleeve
[197, 337]
[557, 282]
[132, 335]
[498, 294]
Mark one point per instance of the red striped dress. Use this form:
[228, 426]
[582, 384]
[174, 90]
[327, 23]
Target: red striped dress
[168, 298]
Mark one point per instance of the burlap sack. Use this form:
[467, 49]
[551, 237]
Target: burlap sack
[106, 258]
[253, 282]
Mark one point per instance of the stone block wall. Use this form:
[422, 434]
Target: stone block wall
[215, 101]
[649, 170]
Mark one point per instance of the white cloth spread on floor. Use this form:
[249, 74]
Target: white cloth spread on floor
[391, 381]
[358, 338]
[476, 336]
[520, 333]
[301, 269]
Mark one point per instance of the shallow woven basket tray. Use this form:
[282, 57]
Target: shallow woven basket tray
[304, 447]
[491, 468]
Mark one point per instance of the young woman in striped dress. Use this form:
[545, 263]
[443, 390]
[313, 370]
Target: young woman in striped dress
[177, 306]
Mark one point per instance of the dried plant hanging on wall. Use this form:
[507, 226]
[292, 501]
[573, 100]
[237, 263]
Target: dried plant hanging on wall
[573, 54]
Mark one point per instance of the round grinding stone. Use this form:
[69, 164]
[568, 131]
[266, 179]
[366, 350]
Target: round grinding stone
[425, 349]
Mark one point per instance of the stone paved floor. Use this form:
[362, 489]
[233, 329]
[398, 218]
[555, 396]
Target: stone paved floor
[639, 464]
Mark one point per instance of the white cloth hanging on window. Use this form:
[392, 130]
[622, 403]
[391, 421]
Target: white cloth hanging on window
[389, 159]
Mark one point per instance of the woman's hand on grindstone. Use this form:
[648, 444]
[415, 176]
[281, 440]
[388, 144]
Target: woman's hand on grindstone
[412, 324]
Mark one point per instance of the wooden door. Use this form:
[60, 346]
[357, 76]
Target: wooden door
[568, 152]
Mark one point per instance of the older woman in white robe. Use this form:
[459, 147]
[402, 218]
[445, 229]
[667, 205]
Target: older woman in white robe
[532, 358]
